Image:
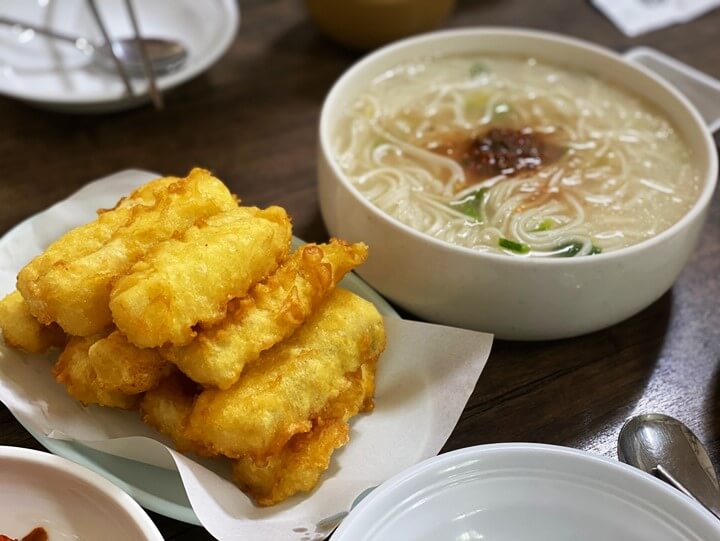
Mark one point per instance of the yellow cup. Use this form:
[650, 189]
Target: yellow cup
[366, 24]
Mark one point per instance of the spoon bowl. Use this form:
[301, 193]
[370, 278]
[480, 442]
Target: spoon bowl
[166, 56]
[664, 447]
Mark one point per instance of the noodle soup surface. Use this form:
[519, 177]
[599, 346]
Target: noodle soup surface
[513, 155]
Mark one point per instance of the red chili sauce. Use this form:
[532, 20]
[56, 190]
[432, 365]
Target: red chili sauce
[499, 151]
[38, 534]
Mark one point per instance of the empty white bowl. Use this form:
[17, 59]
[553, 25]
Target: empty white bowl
[42, 490]
[522, 491]
[512, 297]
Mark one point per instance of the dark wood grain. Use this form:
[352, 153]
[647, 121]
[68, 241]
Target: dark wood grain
[252, 119]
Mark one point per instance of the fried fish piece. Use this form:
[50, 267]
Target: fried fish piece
[291, 383]
[167, 409]
[121, 366]
[87, 238]
[269, 314]
[74, 370]
[186, 281]
[297, 468]
[304, 458]
[21, 330]
[70, 283]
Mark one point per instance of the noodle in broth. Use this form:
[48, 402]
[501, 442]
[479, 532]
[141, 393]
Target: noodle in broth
[515, 156]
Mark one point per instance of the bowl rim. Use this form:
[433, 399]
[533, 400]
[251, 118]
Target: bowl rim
[513, 451]
[116, 496]
[701, 203]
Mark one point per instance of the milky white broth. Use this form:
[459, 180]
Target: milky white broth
[514, 155]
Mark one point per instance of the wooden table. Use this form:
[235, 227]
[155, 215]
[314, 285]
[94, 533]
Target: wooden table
[253, 120]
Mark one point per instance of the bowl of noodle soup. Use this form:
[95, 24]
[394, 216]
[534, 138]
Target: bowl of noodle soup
[512, 181]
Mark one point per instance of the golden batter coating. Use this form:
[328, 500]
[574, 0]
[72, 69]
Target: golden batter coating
[167, 409]
[70, 283]
[121, 366]
[189, 280]
[74, 370]
[269, 314]
[87, 238]
[278, 396]
[305, 457]
[297, 468]
[183, 304]
[21, 330]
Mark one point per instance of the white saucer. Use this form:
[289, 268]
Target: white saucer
[526, 491]
[53, 75]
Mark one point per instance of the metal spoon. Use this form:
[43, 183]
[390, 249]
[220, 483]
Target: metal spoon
[667, 449]
[165, 55]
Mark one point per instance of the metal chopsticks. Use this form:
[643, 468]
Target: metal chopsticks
[153, 90]
[118, 65]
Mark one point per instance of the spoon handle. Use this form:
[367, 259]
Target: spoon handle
[661, 472]
[75, 40]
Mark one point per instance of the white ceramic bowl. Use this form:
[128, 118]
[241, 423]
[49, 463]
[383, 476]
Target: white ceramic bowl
[42, 490]
[522, 491]
[515, 298]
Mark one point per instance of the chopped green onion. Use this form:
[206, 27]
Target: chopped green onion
[572, 249]
[517, 247]
[477, 69]
[471, 205]
[545, 225]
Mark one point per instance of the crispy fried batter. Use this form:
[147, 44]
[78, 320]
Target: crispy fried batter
[121, 366]
[168, 407]
[268, 315]
[178, 278]
[297, 468]
[74, 370]
[70, 283]
[21, 330]
[301, 462]
[87, 238]
[186, 281]
[291, 383]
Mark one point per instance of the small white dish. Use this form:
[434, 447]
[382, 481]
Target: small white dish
[53, 75]
[526, 491]
[70, 502]
[519, 298]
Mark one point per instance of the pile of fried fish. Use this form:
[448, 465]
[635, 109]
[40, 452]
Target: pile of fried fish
[185, 305]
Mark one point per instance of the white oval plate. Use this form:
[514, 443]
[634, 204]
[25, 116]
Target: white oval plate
[41, 490]
[519, 491]
[157, 489]
[54, 75]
